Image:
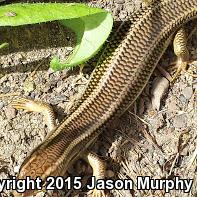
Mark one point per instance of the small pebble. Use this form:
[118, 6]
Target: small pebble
[120, 1]
[32, 95]
[29, 86]
[182, 98]
[69, 49]
[130, 8]
[16, 137]
[9, 126]
[58, 99]
[123, 14]
[1, 105]
[6, 89]
[10, 113]
[172, 105]
[195, 84]
[188, 92]
[180, 121]
[16, 169]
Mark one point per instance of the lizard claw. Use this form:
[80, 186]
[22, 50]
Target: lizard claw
[99, 193]
[23, 103]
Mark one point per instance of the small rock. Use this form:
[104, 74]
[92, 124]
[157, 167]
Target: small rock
[69, 49]
[58, 99]
[29, 86]
[195, 84]
[50, 71]
[6, 89]
[45, 89]
[172, 105]
[16, 137]
[10, 113]
[32, 95]
[194, 118]
[130, 8]
[188, 92]
[182, 98]
[123, 14]
[158, 121]
[180, 121]
[1, 105]
[9, 126]
[120, 1]
[16, 169]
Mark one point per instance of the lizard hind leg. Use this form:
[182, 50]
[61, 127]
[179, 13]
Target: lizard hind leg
[37, 106]
[98, 167]
[181, 51]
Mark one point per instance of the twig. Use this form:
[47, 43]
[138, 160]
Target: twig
[192, 158]
[10, 94]
[142, 120]
[173, 164]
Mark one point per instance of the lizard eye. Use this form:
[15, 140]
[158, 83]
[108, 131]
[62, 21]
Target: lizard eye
[32, 173]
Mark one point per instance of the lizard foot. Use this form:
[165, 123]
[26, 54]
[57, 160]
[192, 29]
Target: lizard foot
[99, 193]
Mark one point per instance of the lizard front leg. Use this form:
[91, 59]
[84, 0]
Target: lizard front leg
[98, 167]
[37, 106]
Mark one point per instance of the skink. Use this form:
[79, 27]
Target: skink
[116, 82]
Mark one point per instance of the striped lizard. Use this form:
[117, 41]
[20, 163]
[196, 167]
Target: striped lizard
[120, 76]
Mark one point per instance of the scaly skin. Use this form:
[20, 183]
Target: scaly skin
[114, 86]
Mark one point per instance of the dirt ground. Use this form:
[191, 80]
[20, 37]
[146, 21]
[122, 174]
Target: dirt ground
[156, 137]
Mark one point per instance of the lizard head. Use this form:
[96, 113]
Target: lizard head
[35, 169]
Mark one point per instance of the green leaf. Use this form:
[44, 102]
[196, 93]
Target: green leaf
[4, 45]
[91, 25]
